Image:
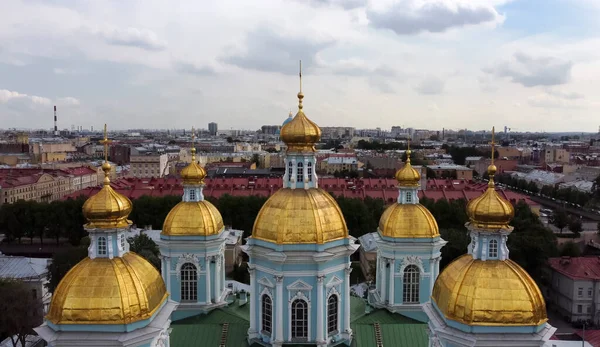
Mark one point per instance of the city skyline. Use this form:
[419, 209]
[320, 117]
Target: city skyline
[529, 65]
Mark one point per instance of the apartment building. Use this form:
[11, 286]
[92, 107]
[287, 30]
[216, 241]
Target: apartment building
[149, 165]
[556, 155]
[44, 152]
[335, 163]
[574, 287]
[34, 184]
[452, 170]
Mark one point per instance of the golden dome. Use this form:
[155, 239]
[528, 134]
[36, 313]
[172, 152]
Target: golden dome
[193, 218]
[107, 208]
[488, 293]
[490, 210]
[300, 216]
[408, 221]
[193, 173]
[300, 134]
[121, 290]
[408, 176]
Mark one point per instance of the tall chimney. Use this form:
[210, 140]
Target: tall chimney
[55, 126]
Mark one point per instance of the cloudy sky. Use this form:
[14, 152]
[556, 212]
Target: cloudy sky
[531, 65]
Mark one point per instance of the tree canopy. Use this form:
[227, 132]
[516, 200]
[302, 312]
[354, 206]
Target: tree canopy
[21, 311]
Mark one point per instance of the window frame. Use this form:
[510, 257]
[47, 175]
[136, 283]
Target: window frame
[102, 247]
[493, 248]
[332, 314]
[266, 318]
[411, 284]
[408, 197]
[299, 324]
[299, 172]
[192, 194]
[309, 171]
[188, 275]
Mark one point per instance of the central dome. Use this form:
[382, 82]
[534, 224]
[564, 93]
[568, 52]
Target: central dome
[193, 218]
[491, 292]
[121, 290]
[490, 210]
[300, 216]
[408, 221]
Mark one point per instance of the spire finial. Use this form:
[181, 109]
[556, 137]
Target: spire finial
[408, 151]
[106, 166]
[193, 149]
[300, 95]
[492, 168]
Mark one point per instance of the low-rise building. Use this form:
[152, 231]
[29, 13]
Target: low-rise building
[574, 287]
[33, 272]
[339, 163]
[41, 185]
[149, 164]
[452, 171]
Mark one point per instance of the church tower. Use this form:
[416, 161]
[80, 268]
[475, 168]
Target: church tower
[192, 247]
[113, 297]
[300, 253]
[408, 250]
[483, 298]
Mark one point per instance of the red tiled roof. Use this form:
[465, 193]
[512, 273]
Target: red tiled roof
[587, 268]
[377, 188]
[591, 336]
[79, 171]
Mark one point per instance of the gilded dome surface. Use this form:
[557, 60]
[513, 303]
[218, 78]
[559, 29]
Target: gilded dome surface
[193, 218]
[408, 221]
[488, 293]
[490, 210]
[193, 173]
[300, 216]
[121, 290]
[107, 208]
[300, 134]
[408, 176]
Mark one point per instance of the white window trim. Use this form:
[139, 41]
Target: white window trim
[260, 311]
[334, 293]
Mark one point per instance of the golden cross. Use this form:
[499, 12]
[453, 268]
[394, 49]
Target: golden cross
[493, 143]
[105, 141]
[300, 74]
[408, 144]
[193, 136]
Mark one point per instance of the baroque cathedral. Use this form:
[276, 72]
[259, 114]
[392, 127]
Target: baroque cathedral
[299, 264]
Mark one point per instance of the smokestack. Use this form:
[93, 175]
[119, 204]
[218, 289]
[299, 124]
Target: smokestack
[55, 126]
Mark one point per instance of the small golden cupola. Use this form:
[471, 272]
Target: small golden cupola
[300, 134]
[111, 286]
[490, 210]
[107, 208]
[407, 218]
[193, 216]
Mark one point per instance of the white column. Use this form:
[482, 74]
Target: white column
[217, 279]
[168, 273]
[294, 173]
[347, 329]
[305, 172]
[382, 262]
[253, 299]
[207, 265]
[391, 293]
[431, 275]
[437, 266]
[279, 317]
[320, 307]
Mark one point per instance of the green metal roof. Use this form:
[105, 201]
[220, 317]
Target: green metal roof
[205, 330]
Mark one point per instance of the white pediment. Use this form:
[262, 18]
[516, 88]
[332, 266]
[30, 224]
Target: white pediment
[334, 281]
[299, 285]
[265, 282]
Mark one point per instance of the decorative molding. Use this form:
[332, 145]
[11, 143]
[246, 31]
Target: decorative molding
[299, 285]
[184, 259]
[278, 279]
[320, 279]
[267, 291]
[162, 340]
[334, 291]
[265, 282]
[411, 260]
[334, 281]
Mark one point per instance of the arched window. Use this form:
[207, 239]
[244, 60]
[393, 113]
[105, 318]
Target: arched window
[189, 282]
[493, 249]
[411, 285]
[267, 314]
[332, 314]
[101, 245]
[299, 320]
[309, 171]
[300, 173]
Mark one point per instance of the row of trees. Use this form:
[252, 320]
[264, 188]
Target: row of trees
[459, 154]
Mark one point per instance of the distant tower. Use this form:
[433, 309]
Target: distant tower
[55, 126]
[213, 128]
[92, 128]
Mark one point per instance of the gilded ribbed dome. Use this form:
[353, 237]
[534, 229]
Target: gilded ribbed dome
[300, 134]
[408, 221]
[295, 216]
[107, 208]
[121, 290]
[489, 293]
[193, 173]
[193, 218]
[490, 210]
[407, 176]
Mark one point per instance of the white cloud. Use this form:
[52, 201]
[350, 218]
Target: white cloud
[7, 96]
[67, 101]
[430, 85]
[132, 37]
[533, 71]
[554, 98]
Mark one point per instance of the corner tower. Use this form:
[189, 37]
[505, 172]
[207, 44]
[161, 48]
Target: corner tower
[408, 250]
[192, 247]
[483, 298]
[113, 297]
[300, 253]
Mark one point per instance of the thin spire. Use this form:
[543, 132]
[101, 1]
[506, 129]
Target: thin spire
[106, 166]
[408, 151]
[492, 168]
[193, 150]
[493, 144]
[300, 95]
